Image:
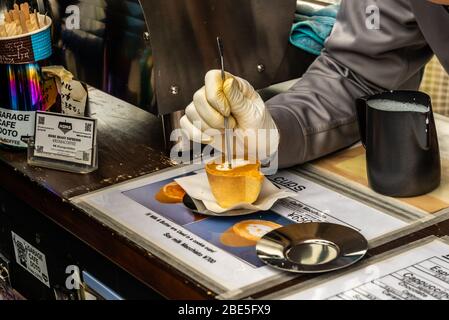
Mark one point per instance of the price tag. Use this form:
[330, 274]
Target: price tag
[67, 138]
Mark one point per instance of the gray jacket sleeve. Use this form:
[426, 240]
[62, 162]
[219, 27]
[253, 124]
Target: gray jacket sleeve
[317, 115]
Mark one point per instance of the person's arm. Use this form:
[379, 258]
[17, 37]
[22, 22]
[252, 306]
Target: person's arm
[317, 115]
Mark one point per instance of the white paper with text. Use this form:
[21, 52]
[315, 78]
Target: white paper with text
[208, 245]
[421, 273]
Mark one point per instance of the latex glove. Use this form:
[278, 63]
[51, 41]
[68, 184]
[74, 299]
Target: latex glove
[236, 98]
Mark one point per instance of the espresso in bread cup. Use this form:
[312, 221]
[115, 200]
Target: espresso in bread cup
[241, 184]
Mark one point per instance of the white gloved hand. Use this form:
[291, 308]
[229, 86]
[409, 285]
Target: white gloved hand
[248, 115]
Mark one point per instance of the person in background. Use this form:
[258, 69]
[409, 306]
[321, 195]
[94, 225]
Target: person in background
[317, 115]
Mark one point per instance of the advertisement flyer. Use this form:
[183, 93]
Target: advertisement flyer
[222, 249]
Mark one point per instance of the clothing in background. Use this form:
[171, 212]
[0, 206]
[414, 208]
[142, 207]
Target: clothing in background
[317, 115]
[312, 27]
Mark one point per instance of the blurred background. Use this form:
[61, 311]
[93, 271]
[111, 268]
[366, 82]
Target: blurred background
[108, 51]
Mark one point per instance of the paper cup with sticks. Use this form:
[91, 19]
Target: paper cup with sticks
[25, 46]
[25, 37]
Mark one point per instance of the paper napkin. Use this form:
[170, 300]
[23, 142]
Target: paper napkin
[197, 187]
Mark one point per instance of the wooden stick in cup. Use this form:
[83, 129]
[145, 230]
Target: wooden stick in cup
[11, 29]
[16, 11]
[30, 25]
[3, 31]
[25, 8]
[15, 15]
[37, 19]
[23, 23]
[8, 18]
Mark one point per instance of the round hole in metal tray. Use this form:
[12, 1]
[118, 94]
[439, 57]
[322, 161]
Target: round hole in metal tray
[312, 252]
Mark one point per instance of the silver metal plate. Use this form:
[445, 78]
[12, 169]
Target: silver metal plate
[312, 247]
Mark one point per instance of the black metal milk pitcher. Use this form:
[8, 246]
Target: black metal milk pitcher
[398, 131]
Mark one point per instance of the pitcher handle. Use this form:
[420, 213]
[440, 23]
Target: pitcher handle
[361, 106]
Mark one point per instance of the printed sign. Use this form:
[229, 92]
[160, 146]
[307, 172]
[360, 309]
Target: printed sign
[316, 203]
[16, 127]
[66, 138]
[31, 259]
[222, 249]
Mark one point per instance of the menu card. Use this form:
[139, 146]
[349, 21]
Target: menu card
[219, 252]
[418, 273]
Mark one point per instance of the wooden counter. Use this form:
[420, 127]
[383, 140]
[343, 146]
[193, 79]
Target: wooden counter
[130, 145]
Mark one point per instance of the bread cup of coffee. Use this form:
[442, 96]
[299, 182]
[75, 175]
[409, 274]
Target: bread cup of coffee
[240, 185]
